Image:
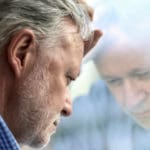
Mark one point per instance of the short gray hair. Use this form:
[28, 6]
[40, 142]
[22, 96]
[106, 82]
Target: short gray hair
[42, 16]
[120, 24]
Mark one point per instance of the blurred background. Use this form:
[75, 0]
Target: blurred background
[97, 122]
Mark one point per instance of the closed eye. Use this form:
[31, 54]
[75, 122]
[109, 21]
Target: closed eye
[143, 75]
[114, 82]
[140, 74]
[69, 79]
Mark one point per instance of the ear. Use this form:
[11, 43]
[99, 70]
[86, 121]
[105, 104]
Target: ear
[88, 45]
[21, 51]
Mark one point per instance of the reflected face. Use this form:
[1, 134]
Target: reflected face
[39, 99]
[126, 70]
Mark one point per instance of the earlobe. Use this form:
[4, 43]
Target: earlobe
[20, 50]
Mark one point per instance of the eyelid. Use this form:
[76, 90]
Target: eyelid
[111, 80]
[107, 78]
[115, 81]
[139, 72]
[69, 79]
[143, 74]
[72, 75]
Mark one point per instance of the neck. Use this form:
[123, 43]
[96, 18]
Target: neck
[2, 96]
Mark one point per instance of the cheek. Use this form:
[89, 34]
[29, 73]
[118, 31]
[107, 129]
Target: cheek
[57, 83]
[57, 92]
[146, 86]
[117, 93]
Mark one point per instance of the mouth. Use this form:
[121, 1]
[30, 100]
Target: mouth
[56, 122]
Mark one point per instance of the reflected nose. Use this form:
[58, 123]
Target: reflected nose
[67, 109]
[133, 94]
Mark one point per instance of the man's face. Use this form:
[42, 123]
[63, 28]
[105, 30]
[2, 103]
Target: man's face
[38, 99]
[126, 70]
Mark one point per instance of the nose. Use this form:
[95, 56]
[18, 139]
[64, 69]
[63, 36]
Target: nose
[133, 94]
[67, 109]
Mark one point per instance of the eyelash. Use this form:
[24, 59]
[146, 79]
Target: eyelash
[145, 75]
[69, 79]
[114, 82]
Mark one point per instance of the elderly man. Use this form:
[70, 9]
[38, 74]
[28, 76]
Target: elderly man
[41, 47]
[124, 63]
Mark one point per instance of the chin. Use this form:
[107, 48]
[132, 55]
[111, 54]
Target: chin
[144, 122]
[40, 141]
[144, 125]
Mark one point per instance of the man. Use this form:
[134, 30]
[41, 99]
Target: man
[124, 64]
[41, 47]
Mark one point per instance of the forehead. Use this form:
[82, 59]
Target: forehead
[70, 36]
[67, 54]
[124, 57]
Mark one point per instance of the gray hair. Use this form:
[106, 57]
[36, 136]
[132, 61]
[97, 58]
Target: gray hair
[122, 25]
[44, 17]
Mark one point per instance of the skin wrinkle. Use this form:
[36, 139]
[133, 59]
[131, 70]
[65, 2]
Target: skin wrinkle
[32, 18]
[40, 54]
[32, 103]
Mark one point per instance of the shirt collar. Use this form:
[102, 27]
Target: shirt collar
[7, 140]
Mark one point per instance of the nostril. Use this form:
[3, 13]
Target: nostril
[66, 112]
[67, 109]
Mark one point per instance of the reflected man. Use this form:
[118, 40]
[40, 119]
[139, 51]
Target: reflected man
[124, 64]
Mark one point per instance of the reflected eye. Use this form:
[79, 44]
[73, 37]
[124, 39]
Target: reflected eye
[144, 75]
[114, 82]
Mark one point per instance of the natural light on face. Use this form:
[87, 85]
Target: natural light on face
[126, 70]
